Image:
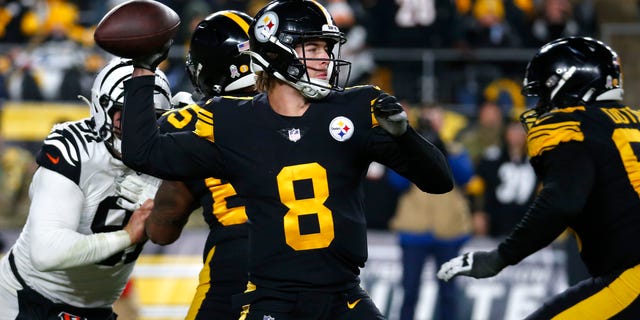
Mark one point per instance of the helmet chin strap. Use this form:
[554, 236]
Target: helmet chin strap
[312, 89]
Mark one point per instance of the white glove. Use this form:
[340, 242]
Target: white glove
[478, 264]
[390, 114]
[134, 189]
[182, 99]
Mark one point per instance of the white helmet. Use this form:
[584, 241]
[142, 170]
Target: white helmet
[107, 97]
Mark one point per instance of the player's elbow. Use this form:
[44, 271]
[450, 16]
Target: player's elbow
[437, 184]
[131, 160]
[43, 260]
[161, 239]
[162, 235]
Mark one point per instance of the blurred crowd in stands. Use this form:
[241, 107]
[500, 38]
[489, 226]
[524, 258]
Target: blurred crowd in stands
[47, 50]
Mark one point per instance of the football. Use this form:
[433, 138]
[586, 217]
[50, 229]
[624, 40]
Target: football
[136, 28]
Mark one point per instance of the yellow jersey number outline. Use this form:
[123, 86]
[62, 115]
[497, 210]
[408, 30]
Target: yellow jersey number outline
[309, 206]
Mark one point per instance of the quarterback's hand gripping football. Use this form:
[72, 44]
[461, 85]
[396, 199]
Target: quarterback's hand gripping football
[135, 189]
[479, 264]
[151, 61]
[390, 114]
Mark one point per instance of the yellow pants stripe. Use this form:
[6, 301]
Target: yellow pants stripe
[203, 287]
[609, 301]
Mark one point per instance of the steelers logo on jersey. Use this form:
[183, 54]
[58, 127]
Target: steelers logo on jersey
[341, 128]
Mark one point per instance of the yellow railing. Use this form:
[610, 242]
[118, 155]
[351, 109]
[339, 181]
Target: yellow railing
[24, 121]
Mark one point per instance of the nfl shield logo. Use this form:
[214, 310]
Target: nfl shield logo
[294, 134]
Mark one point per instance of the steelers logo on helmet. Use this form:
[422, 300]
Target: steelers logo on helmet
[266, 26]
[341, 128]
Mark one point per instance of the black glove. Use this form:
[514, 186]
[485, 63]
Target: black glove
[479, 264]
[390, 114]
[151, 61]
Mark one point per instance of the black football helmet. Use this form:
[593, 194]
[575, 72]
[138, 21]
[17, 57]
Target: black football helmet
[282, 25]
[570, 72]
[214, 62]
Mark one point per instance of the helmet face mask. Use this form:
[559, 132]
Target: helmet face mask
[282, 26]
[568, 72]
[107, 101]
[214, 63]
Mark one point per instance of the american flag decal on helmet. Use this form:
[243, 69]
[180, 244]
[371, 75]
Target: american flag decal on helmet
[244, 46]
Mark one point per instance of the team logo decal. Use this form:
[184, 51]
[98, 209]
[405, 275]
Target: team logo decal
[266, 26]
[341, 128]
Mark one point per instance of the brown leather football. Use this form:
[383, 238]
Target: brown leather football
[136, 28]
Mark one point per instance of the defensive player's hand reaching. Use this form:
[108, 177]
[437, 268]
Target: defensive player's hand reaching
[390, 114]
[134, 189]
[479, 264]
[135, 226]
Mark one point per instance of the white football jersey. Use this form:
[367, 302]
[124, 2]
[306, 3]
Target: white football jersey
[71, 250]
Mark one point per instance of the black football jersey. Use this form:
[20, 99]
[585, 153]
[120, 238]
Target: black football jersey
[300, 178]
[603, 138]
[221, 208]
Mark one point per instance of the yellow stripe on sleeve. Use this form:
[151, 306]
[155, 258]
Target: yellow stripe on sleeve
[204, 125]
[542, 138]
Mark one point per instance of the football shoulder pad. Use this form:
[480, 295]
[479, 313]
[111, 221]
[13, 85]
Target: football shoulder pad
[552, 129]
[65, 147]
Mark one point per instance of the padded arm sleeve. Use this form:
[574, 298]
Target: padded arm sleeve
[568, 177]
[171, 156]
[54, 241]
[415, 158]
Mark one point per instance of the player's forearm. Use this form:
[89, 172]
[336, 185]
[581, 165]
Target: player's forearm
[427, 166]
[138, 123]
[66, 249]
[165, 225]
[164, 232]
[55, 243]
[536, 230]
[569, 177]
[173, 157]
[173, 203]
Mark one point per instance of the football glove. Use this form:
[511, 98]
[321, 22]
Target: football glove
[479, 264]
[182, 99]
[134, 189]
[151, 61]
[390, 114]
